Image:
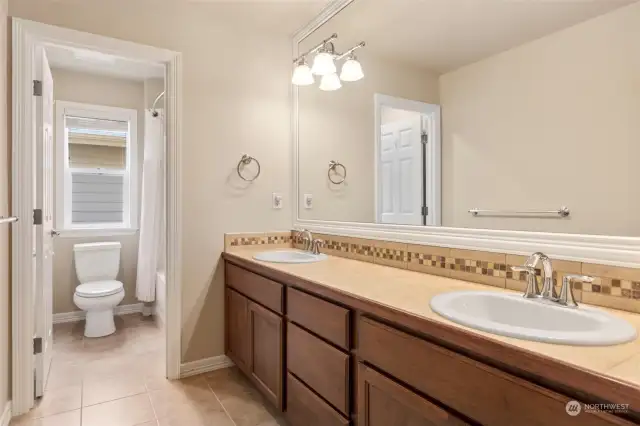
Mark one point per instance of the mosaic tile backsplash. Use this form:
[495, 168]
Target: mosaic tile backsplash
[282, 238]
[613, 287]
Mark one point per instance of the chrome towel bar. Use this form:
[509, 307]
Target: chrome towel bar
[8, 219]
[562, 212]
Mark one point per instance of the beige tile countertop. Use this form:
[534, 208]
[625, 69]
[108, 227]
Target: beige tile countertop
[411, 292]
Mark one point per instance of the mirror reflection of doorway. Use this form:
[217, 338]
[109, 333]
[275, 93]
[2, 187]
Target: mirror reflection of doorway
[407, 162]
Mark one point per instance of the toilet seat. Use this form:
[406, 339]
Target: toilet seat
[99, 288]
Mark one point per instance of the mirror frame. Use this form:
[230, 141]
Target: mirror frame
[602, 249]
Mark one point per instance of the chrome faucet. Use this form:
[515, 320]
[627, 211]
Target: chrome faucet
[548, 291]
[315, 246]
[307, 239]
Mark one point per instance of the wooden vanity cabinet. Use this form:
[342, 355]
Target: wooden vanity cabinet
[255, 339]
[237, 329]
[349, 362]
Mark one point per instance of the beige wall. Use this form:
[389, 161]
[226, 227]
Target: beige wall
[5, 186]
[98, 90]
[550, 123]
[235, 99]
[339, 126]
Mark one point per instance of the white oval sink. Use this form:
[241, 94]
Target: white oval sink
[533, 319]
[289, 256]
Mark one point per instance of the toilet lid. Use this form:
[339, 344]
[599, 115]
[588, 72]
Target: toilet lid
[99, 288]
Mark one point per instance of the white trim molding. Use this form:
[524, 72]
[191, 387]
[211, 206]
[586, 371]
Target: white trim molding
[26, 37]
[76, 316]
[205, 365]
[5, 419]
[607, 250]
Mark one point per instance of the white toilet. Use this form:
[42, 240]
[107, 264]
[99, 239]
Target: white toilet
[97, 266]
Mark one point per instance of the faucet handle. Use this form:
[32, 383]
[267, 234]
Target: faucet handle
[315, 245]
[566, 291]
[532, 289]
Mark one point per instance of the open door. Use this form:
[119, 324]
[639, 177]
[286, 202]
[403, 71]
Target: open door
[400, 165]
[43, 222]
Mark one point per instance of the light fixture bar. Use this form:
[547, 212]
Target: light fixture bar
[318, 46]
[356, 47]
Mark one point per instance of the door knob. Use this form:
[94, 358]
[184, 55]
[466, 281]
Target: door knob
[54, 233]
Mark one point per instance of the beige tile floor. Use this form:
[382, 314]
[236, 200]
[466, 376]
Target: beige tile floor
[119, 381]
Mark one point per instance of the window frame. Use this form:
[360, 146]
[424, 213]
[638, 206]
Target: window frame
[63, 172]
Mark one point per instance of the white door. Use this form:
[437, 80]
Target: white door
[400, 175]
[44, 232]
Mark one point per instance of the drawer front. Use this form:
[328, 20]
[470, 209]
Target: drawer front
[264, 291]
[323, 318]
[383, 402]
[304, 408]
[477, 391]
[320, 366]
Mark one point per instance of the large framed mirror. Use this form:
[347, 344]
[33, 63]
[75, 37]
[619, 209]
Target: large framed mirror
[494, 125]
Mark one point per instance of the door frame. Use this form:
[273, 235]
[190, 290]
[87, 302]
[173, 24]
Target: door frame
[433, 151]
[26, 37]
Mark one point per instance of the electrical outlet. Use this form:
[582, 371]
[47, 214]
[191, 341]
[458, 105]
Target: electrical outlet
[276, 200]
[308, 201]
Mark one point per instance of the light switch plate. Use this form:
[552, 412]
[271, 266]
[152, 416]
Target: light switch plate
[276, 201]
[308, 201]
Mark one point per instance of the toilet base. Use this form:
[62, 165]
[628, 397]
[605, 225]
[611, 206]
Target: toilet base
[99, 323]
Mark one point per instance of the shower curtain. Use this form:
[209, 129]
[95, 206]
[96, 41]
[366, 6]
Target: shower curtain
[151, 244]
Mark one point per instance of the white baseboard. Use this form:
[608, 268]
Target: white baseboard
[79, 315]
[6, 414]
[205, 365]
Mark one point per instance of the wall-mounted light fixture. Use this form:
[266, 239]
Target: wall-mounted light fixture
[324, 65]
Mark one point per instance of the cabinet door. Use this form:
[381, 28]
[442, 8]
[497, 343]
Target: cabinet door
[237, 329]
[383, 402]
[266, 362]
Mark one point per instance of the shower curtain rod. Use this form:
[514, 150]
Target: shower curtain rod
[153, 107]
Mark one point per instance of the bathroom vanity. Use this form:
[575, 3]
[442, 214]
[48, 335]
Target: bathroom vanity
[342, 342]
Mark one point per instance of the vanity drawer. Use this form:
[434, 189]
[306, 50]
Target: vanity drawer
[476, 390]
[262, 290]
[383, 402]
[321, 317]
[320, 366]
[305, 408]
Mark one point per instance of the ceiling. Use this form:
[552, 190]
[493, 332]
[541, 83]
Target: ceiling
[90, 62]
[443, 35]
[279, 17]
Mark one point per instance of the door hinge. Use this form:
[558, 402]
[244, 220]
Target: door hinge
[424, 138]
[37, 88]
[425, 211]
[37, 345]
[37, 216]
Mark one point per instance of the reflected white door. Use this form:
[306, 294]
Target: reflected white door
[400, 178]
[44, 233]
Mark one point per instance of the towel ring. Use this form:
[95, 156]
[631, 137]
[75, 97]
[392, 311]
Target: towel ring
[332, 167]
[245, 161]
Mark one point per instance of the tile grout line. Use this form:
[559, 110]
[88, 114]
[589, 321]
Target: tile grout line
[221, 404]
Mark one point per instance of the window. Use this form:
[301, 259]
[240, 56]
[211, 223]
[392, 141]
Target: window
[96, 169]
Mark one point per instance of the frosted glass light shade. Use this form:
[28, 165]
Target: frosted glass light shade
[323, 64]
[330, 82]
[302, 75]
[351, 70]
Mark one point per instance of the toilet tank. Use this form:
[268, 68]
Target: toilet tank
[97, 261]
